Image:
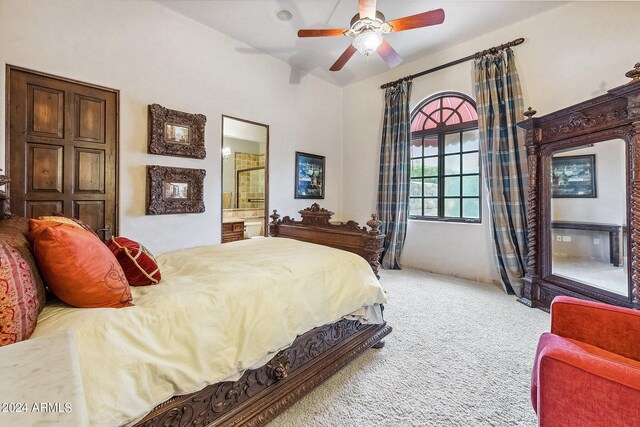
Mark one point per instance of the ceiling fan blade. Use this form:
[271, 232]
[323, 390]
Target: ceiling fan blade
[389, 54]
[433, 17]
[321, 33]
[367, 8]
[346, 55]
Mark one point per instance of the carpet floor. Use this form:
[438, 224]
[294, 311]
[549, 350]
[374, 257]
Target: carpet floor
[460, 354]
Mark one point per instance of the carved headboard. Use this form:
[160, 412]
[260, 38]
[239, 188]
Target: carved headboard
[316, 227]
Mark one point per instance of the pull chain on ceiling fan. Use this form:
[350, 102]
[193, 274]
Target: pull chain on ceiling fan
[367, 29]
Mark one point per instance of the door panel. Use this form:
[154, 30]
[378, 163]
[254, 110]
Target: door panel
[62, 151]
[43, 208]
[46, 111]
[45, 166]
[89, 119]
[90, 212]
[89, 171]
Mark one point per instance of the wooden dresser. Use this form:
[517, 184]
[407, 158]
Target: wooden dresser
[232, 231]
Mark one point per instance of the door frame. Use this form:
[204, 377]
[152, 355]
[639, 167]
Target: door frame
[7, 143]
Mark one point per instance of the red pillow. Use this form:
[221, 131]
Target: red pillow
[138, 264]
[78, 268]
[18, 296]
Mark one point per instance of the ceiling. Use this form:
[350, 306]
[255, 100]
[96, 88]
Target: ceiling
[254, 22]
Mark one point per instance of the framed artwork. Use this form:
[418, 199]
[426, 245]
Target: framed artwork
[174, 190]
[573, 176]
[175, 133]
[309, 176]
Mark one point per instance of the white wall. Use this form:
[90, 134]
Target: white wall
[571, 53]
[154, 55]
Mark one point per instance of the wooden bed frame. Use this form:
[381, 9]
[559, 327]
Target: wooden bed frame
[263, 393]
[316, 227]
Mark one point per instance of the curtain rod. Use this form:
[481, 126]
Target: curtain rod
[494, 49]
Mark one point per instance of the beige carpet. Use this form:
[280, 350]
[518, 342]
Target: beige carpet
[599, 274]
[460, 354]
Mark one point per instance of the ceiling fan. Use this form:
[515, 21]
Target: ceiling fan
[367, 28]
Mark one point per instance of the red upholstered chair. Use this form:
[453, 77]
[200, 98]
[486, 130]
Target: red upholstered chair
[587, 370]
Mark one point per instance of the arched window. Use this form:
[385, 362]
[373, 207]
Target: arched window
[445, 159]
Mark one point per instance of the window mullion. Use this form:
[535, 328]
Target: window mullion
[461, 171]
[440, 175]
[422, 179]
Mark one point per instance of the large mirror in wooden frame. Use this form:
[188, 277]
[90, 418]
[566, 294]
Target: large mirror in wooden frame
[588, 216]
[583, 219]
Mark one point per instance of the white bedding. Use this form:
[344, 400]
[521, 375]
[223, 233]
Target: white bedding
[217, 311]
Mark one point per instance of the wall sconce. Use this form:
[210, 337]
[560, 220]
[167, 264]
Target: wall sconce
[226, 152]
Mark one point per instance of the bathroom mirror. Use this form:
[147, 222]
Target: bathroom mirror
[589, 215]
[245, 177]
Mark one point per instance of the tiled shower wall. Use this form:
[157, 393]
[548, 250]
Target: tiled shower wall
[251, 184]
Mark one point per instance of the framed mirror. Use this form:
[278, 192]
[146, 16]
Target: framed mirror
[245, 179]
[588, 218]
[583, 232]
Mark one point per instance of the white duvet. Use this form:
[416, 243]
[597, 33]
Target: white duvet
[217, 311]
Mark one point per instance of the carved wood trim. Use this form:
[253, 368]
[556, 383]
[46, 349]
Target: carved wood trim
[263, 393]
[533, 152]
[160, 117]
[584, 121]
[160, 203]
[633, 157]
[613, 115]
[316, 227]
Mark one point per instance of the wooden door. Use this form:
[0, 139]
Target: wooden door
[62, 153]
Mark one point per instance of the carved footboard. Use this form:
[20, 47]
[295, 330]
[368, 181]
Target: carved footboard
[261, 394]
[315, 227]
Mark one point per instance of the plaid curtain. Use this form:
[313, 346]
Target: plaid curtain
[499, 102]
[393, 183]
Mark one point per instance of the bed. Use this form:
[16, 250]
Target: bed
[197, 350]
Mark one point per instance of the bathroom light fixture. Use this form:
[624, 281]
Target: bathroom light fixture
[226, 152]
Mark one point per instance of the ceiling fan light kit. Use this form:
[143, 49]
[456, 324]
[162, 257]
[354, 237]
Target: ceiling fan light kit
[367, 42]
[367, 29]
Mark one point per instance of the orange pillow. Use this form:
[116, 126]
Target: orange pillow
[78, 268]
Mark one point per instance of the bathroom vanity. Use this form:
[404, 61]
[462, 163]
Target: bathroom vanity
[232, 231]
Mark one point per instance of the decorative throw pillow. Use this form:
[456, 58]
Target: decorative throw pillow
[61, 219]
[13, 232]
[19, 305]
[58, 217]
[78, 268]
[139, 266]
